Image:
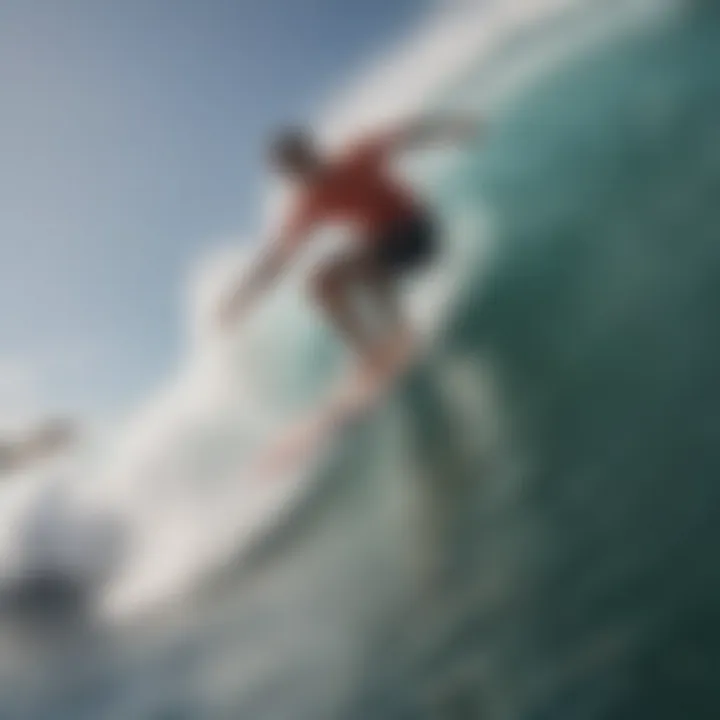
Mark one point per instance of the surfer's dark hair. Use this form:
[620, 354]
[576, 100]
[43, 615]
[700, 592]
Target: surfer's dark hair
[292, 147]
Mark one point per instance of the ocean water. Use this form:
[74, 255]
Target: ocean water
[527, 529]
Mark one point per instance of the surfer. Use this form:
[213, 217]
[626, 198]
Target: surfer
[395, 233]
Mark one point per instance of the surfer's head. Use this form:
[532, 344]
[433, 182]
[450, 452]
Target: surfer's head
[294, 153]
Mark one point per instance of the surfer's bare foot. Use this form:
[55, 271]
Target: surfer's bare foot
[380, 365]
[383, 360]
[402, 349]
[394, 354]
[372, 363]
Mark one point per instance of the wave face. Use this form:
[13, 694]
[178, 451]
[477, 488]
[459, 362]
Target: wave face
[527, 529]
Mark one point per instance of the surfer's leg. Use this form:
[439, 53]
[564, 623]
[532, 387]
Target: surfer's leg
[398, 336]
[405, 249]
[376, 269]
[333, 287]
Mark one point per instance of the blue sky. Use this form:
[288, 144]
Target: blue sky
[131, 133]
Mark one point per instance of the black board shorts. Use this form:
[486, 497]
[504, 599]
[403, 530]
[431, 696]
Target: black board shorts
[409, 245]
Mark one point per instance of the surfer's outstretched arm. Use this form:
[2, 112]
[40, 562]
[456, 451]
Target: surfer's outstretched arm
[260, 277]
[273, 260]
[429, 131]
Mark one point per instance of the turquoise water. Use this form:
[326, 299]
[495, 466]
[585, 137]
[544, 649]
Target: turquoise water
[528, 531]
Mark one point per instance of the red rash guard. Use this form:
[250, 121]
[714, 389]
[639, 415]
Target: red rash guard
[355, 187]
